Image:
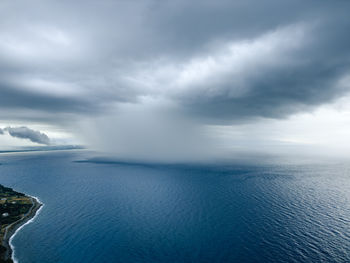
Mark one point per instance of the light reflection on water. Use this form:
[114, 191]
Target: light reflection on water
[110, 212]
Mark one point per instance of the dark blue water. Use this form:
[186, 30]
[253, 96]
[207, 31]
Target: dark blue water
[109, 212]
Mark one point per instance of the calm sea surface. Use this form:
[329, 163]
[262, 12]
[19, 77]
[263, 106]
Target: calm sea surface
[109, 212]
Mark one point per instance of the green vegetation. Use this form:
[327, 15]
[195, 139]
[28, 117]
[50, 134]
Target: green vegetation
[14, 207]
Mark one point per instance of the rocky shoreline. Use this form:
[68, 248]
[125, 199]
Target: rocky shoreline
[11, 229]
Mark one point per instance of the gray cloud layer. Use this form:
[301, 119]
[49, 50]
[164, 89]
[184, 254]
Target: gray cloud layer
[27, 133]
[148, 76]
[220, 62]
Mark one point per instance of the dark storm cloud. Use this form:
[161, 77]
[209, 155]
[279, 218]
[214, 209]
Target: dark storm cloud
[218, 61]
[277, 92]
[22, 99]
[27, 133]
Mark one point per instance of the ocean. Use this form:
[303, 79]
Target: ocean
[104, 211]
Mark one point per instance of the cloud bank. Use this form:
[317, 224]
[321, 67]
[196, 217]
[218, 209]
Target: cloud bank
[27, 133]
[222, 63]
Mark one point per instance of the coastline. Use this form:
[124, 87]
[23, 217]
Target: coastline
[13, 229]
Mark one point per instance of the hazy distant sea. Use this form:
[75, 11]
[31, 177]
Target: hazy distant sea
[114, 212]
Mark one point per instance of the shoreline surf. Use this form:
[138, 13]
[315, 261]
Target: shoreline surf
[17, 226]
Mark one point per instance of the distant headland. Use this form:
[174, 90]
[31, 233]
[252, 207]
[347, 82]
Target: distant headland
[15, 210]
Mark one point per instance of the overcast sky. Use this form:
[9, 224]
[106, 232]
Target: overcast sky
[177, 79]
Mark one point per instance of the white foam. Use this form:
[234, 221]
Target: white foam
[26, 223]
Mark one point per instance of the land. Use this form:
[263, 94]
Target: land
[15, 210]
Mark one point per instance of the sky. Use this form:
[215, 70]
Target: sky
[176, 80]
